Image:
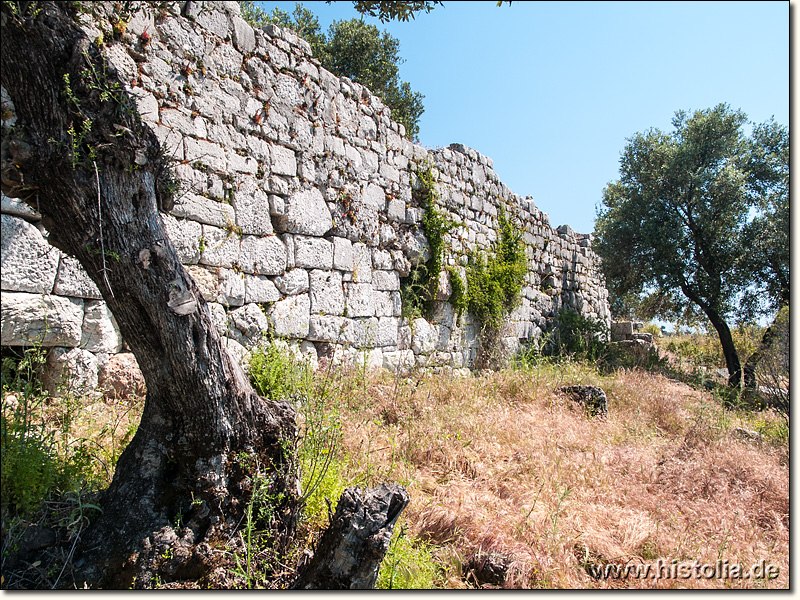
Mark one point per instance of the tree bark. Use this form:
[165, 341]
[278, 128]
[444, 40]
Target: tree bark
[732, 362]
[350, 551]
[98, 176]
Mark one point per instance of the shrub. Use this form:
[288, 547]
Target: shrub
[576, 335]
[494, 282]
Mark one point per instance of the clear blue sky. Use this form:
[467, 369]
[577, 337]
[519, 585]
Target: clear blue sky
[550, 91]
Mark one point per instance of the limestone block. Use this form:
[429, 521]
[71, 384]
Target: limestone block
[73, 281]
[359, 300]
[258, 288]
[371, 359]
[204, 210]
[327, 294]
[342, 254]
[424, 336]
[219, 316]
[313, 252]
[386, 332]
[207, 153]
[396, 210]
[284, 161]
[374, 196]
[289, 317]
[402, 360]
[362, 263]
[384, 304]
[221, 248]
[185, 236]
[120, 377]
[386, 280]
[27, 262]
[382, 259]
[214, 21]
[401, 264]
[293, 282]
[206, 279]
[263, 255]
[70, 371]
[307, 213]
[35, 319]
[243, 36]
[231, 288]
[252, 209]
[247, 324]
[388, 235]
[100, 332]
[416, 247]
[327, 328]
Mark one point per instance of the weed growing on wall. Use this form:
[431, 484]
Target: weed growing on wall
[418, 290]
[494, 281]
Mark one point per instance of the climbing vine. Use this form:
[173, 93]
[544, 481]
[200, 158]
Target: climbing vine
[494, 281]
[418, 290]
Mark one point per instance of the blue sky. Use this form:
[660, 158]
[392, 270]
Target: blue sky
[550, 91]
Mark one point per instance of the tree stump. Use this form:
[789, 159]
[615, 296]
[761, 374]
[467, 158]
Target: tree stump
[351, 549]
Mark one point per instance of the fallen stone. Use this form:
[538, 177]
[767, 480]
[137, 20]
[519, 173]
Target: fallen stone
[591, 396]
[121, 379]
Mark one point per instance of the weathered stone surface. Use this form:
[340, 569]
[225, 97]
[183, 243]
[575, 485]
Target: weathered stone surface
[402, 360]
[120, 377]
[284, 161]
[289, 317]
[258, 288]
[313, 252]
[185, 235]
[34, 319]
[424, 337]
[262, 255]
[100, 332]
[327, 294]
[307, 214]
[204, 210]
[73, 281]
[386, 280]
[591, 396]
[27, 262]
[252, 209]
[342, 254]
[359, 300]
[362, 263]
[243, 36]
[231, 288]
[70, 371]
[248, 324]
[293, 282]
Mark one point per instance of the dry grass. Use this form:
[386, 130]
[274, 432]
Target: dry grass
[503, 463]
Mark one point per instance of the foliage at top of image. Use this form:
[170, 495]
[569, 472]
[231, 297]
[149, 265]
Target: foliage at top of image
[356, 50]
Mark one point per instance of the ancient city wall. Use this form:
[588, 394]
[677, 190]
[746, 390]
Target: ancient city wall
[295, 213]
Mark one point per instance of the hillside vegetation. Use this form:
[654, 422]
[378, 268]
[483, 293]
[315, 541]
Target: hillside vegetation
[512, 483]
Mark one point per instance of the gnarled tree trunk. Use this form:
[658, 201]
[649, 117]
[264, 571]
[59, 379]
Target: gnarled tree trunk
[80, 154]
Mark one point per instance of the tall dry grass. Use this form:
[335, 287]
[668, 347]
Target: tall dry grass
[503, 464]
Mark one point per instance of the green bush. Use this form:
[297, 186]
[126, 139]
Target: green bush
[576, 335]
[494, 282]
[277, 375]
[408, 564]
[34, 466]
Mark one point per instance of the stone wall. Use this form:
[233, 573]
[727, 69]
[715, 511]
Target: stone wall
[295, 213]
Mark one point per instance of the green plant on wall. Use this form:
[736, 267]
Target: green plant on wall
[494, 281]
[418, 290]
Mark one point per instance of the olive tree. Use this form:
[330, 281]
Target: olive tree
[678, 225]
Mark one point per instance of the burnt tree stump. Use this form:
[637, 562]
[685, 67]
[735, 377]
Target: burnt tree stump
[351, 549]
